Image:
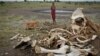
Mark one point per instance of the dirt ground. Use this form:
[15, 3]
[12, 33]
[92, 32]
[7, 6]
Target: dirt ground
[12, 21]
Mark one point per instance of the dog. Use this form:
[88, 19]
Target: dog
[31, 24]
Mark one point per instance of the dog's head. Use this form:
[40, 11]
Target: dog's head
[78, 17]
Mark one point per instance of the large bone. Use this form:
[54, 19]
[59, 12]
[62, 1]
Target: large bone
[61, 50]
[78, 52]
[24, 41]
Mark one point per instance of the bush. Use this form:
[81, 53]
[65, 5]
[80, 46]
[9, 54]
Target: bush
[2, 3]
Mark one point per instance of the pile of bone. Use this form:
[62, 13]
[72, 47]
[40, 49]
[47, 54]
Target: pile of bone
[65, 42]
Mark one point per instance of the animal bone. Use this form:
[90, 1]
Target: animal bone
[76, 14]
[78, 17]
[24, 41]
[75, 27]
[77, 40]
[53, 36]
[62, 38]
[56, 36]
[87, 40]
[61, 50]
[82, 41]
[94, 37]
[59, 29]
[66, 40]
[50, 54]
[78, 52]
[15, 37]
[33, 44]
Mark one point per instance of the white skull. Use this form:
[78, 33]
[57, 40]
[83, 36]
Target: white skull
[76, 14]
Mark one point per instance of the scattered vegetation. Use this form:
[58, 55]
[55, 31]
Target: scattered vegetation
[2, 3]
[36, 5]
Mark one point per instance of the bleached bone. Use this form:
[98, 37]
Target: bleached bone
[61, 43]
[78, 14]
[59, 29]
[15, 37]
[82, 41]
[66, 40]
[80, 36]
[55, 32]
[61, 50]
[79, 45]
[57, 36]
[62, 38]
[94, 37]
[60, 54]
[78, 52]
[87, 40]
[50, 54]
[52, 37]
[75, 27]
[33, 44]
[26, 39]
[74, 52]
[20, 37]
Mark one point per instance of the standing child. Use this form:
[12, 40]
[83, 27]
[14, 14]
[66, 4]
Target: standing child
[53, 13]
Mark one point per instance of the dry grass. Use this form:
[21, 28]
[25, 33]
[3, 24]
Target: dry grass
[12, 24]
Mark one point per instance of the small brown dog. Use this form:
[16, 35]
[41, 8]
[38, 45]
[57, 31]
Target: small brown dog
[31, 24]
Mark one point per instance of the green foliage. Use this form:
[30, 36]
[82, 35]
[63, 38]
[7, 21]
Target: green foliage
[40, 5]
[25, 0]
[2, 3]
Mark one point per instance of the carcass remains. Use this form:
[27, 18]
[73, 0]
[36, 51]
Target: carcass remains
[73, 41]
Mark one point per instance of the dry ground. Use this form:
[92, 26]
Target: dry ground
[12, 21]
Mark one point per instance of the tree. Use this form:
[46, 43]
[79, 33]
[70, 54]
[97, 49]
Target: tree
[44, 0]
[25, 0]
[56, 0]
[2, 3]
